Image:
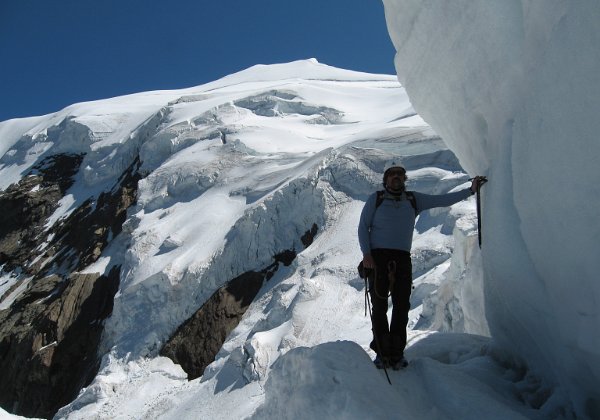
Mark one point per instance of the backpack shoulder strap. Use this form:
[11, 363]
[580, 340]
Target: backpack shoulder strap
[413, 201]
[409, 195]
[379, 199]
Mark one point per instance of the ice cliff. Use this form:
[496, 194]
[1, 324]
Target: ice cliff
[513, 87]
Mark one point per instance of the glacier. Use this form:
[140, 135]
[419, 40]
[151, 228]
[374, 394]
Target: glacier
[514, 90]
[234, 172]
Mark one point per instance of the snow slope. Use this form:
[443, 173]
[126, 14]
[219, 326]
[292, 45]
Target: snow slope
[514, 90]
[235, 172]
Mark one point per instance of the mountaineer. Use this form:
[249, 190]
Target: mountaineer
[385, 233]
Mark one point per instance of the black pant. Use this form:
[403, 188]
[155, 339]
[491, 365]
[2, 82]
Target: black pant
[393, 275]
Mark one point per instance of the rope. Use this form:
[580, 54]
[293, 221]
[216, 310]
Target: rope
[391, 282]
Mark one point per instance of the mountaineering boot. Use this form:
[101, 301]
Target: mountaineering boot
[381, 362]
[397, 350]
[384, 347]
[400, 364]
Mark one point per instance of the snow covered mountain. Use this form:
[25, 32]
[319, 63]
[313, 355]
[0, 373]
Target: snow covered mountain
[234, 205]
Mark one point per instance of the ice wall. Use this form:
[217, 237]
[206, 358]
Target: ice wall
[513, 87]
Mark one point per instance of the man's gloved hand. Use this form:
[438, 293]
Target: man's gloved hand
[368, 261]
[477, 182]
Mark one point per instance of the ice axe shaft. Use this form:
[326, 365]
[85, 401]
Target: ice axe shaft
[482, 180]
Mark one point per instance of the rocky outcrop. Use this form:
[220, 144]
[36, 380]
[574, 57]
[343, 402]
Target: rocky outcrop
[49, 339]
[25, 207]
[50, 333]
[309, 235]
[198, 340]
[81, 237]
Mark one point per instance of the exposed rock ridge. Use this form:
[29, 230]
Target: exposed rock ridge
[49, 334]
[49, 340]
[197, 341]
[81, 237]
[25, 207]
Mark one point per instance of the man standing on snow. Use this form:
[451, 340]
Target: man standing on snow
[385, 233]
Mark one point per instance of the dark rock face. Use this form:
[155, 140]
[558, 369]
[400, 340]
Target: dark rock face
[25, 207]
[80, 239]
[309, 235]
[49, 340]
[197, 341]
[50, 334]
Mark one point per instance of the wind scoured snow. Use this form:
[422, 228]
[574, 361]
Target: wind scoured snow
[236, 171]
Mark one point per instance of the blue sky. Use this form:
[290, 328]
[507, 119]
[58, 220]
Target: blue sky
[57, 52]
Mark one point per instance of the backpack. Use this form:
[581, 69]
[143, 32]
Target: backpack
[409, 194]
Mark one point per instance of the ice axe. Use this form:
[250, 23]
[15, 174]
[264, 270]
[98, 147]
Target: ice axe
[481, 180]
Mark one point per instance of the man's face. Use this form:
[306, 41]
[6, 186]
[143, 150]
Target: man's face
[396, 177]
